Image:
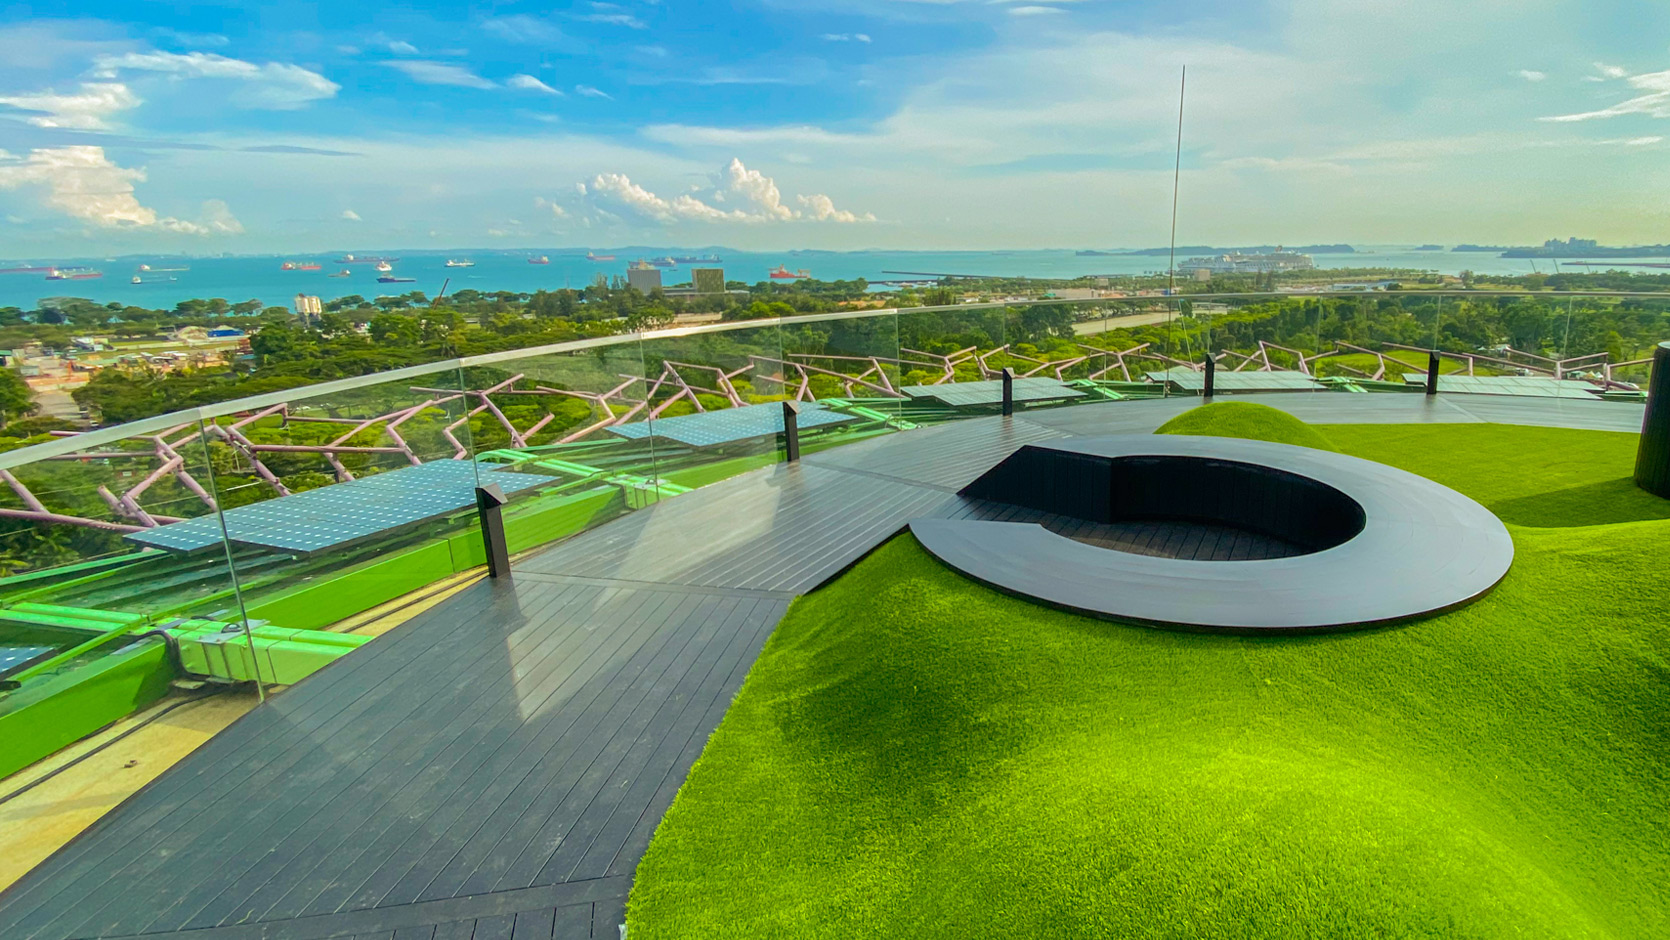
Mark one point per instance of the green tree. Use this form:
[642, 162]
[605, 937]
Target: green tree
[17, 399]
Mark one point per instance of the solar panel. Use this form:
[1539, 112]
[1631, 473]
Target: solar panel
[990, 392]
[14, 658]
[331, 516]
[1224, 381]
[714, 428]
[1535, 386]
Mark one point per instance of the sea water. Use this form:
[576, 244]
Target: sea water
[261, 277]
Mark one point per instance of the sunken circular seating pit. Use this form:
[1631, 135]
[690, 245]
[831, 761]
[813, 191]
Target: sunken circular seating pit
[1220, 535]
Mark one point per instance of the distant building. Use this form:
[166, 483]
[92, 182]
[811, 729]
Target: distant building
[646, 279]
[307, 305]
[707, 280]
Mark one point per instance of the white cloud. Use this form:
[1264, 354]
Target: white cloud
[846, 37]
[1531, 75]
[402, 47]
[757, 195]
[349, 215]
[524, 29]
[88, 109]
[1611, 71]
[275, 85]
[659, 52]
[1654, 103]
[84, 184]
[822, 209]
[529, 83]
[540, 202]
[614, 19]
[590, 92]
[1034, 10]
[426, 72]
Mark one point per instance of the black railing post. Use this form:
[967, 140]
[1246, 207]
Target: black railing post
[791, 430]
[1211, 372]
[1652, 457]
[489, 504]
[1432, 372]
[1008, 391]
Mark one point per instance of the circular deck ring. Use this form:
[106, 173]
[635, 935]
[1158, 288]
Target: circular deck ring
[1399, 546]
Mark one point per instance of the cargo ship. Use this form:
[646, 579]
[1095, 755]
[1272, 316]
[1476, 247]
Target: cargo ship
[391, 279]
[696, 259]
[364, 259]
[459, 263]
[662, 262]
[384, 267]
[149, 269]
[594, 257]
[299, 266]
[539, 260]
[342, 273]
[782, 273]
[72, 274]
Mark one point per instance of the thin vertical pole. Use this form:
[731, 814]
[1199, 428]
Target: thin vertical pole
[1176, 181]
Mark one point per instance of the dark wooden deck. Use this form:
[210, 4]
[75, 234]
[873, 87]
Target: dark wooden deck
[495, 767]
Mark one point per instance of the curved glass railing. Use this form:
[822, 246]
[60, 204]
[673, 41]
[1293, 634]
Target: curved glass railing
[236, 540]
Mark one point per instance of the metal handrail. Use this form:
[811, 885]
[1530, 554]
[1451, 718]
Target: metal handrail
[205, 413]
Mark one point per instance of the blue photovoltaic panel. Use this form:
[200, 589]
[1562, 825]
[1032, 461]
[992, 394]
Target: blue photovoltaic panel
[13, 658]
[346, 512]
[729, 425]
[990, 392]
[1226, 381]
[1539, 386]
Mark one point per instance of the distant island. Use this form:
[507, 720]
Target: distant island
[1586, 248]
[1245, 250]
[1430, 248]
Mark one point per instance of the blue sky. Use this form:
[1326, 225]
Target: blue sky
[212, 127]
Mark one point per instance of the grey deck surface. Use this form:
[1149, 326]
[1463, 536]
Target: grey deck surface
[1186, 540]
[495, 767]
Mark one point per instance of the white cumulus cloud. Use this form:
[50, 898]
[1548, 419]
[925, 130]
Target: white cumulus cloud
[1532, 75]
[274, 86]
[754, 196]
[88, 109]
[84, 184]
[349, 215]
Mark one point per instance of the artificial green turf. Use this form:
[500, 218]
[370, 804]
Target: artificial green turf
[1249, 420]
[914, 755]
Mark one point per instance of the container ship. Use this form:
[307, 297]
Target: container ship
[539, 260]
[782, 273]
[696, 259]
[72, 274]
[365, 259]
[595, 257]
[299, 266]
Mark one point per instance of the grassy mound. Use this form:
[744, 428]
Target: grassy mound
[916, 755]
[1248, 420]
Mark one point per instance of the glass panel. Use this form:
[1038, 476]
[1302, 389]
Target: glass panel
[575, 419]
[342, 505]
[848, 364]
[1119, 335]
[941, 348]
[715, 401]
[102, 546]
